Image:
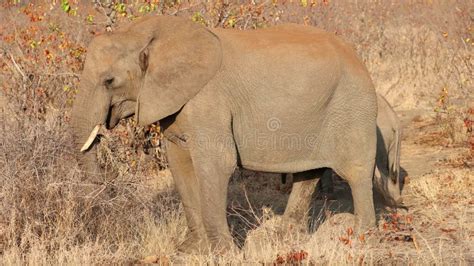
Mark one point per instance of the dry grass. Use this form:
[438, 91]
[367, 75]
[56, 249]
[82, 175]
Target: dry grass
[50, 210]
[51, 213]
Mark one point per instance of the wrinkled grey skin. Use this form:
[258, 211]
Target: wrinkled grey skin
[387, 178]
[222, 98]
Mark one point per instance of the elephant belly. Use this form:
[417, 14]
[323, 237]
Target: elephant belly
[279, 126]
[299, 132]
[277, 162]
[278, 143]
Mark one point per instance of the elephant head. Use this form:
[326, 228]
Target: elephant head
[150, 68]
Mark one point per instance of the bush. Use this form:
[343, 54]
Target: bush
[51, 212]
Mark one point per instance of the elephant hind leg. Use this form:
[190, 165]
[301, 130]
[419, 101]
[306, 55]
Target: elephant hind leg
[304, 185]
[325, 187]
[359, 178]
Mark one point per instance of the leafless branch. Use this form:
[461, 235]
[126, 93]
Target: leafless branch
[18, 68]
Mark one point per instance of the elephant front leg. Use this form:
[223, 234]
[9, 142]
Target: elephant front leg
[181, 167]
[214, 167]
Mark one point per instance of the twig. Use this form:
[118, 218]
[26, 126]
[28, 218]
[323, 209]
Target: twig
[61, 74]
[249, 204]
[108, 10]
[426, 243]
[183, 9]
[395, 84]
[17, 67]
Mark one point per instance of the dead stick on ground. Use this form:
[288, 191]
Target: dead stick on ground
[415, 243]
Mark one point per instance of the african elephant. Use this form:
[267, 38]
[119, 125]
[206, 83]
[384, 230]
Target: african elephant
[387, 179]
[222, 98]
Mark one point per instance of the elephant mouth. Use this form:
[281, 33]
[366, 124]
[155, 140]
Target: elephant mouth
[117, 111]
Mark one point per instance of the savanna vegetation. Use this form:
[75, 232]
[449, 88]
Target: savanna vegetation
[419, 54]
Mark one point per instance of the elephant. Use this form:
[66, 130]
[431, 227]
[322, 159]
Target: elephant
[284, 99]
[387, 179]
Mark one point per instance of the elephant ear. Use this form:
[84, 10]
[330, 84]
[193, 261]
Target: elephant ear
[178, 62]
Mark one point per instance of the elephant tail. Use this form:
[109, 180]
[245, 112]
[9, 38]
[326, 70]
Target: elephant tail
[394, 156]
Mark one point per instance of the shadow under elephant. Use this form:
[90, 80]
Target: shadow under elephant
[255, 196]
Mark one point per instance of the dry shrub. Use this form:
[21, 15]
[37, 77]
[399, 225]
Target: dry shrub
[49, 207]
[52, 213]
[411, 55]
[442, 202]
[455, 122]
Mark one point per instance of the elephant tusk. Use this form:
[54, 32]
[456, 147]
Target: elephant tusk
[91, 138]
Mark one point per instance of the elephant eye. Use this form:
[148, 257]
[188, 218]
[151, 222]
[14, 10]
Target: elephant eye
[108, 82]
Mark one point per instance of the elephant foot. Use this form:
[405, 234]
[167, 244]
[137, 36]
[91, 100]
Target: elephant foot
[224, 246]
[363, 224]
[194, 244]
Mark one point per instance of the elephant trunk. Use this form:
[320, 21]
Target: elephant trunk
[87, 160]
[82, 127]
[87, 115]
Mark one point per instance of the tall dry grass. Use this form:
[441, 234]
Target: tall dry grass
[52, 213]
[50, 209]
